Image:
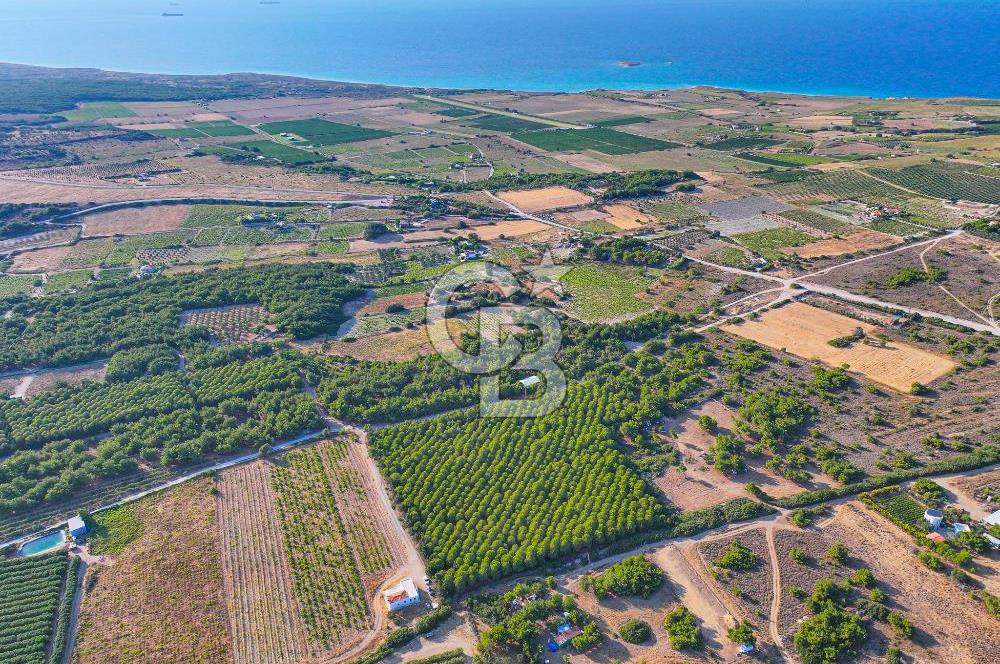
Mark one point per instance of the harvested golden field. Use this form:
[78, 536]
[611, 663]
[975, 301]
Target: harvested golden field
[586, 162]
[548, 198]
[803, 330]
[507, 229]
[262, 607]
[861, 240]
[627, 217]
[135, 221]
[40, 260]
[160, 600]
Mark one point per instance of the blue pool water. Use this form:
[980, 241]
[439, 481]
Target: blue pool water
[43, 544]
[872, 47]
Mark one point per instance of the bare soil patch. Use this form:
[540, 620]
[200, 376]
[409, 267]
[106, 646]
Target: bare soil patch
[752, 589]
[548, 198]
[40, 260]
[585, 161]
[860, 240]
[507, 229]
[804, 330]
[135, 221]
[817, 121]
[47, 380]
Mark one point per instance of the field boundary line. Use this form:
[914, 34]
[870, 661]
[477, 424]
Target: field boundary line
[559, 124]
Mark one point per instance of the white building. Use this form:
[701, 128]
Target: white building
[402, 595]
[993, 519]
[934, 517]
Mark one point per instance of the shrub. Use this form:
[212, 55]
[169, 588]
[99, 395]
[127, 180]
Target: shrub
[738, 557]
[902, 626]
[829, 636]
[682, 629]
[798, 555]
[742, 634]
[837, 554]
[635, 631]
[634, 575]
[864, 578]
[708, 423]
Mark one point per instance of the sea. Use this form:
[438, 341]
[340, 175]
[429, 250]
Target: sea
[879, 48]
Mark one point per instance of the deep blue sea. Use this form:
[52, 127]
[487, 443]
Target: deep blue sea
[870, 47]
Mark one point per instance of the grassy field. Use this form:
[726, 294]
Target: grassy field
[742, 143]
[789, 159]
[767, 243]
[622, 120]
[16, 285]
[66, 280]
[203, 129]
[505, 123]
[605, 292]
[96, 111]
[820, 222]
[606, 141]
[350, 229]
[113, 530]
[324, 132]
[269, 149]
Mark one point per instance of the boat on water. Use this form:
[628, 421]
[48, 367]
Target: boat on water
[171, 14]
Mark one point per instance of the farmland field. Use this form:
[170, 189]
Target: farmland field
[549, 198]
[837, 185]
[605, 292]
[602, 140]
[161, 595]
[742, 143]
[769, 242]
[16, 285]
[336, 551]
[263, 613]
[804, 331]
[505, 123]
[493, 504]
[820, 222]
[943, 182]
[323, 132]
[98, 110]
[268, 149]
[902, 507]
[859, 239]
[211, 129]
[227, 324]
[30, 591]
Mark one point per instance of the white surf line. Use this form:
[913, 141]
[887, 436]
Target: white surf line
[277, 447]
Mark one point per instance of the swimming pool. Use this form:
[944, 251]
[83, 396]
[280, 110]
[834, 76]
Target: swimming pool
[43, 544]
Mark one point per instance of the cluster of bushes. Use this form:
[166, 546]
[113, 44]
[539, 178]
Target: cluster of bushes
[633, 576]
[628, 250]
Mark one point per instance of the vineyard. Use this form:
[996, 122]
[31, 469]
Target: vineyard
[901, 507]
[30, 590]
[227, 324]
[326, 578]
[837, 185]
[262, 606]
[940, 181]
[490, 497]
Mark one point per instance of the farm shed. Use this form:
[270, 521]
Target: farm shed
[993, 519]
[77, 527]
[934, 517]
[402, 595]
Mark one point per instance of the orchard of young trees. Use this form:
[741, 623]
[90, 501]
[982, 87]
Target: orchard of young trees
[491, 497]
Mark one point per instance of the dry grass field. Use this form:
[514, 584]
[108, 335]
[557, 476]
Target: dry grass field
[803, 330]
[548, 198]
[135, 221]
[263, 612]
[627, 217]
[507, 229]
[160, 600]
[859, 240]
[40, 260]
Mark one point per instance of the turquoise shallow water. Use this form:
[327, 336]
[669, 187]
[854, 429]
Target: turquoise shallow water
[872, 47]
[43, 544]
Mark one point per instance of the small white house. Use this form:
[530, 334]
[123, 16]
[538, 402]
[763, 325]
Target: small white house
[77, 527]
[402, 595]
[933, 517]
